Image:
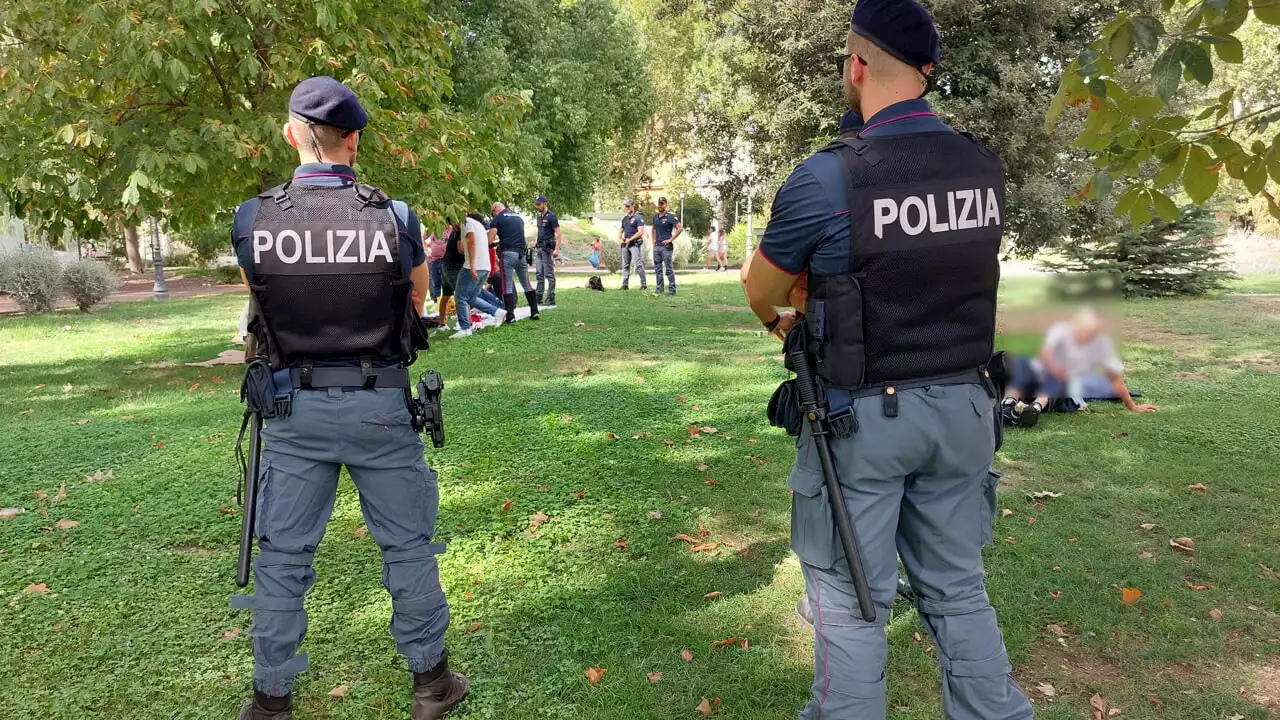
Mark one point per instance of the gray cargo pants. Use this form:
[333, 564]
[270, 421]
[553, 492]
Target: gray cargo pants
[919, 487]
[633, 254]
[663, 256]
[369, 432]
[545, 266]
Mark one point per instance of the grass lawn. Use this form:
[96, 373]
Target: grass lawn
[125, 614]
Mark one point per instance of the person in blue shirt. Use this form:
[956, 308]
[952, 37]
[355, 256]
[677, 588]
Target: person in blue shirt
[889, 240]
[666, 228]
[507, 230]
[331, 313]
[631, 238]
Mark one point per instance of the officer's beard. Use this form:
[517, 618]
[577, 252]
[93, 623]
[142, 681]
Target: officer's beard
[854, 96]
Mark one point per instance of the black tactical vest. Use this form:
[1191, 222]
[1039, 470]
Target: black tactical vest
[918, 297]
[328, 282]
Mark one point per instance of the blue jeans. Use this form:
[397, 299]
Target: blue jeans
[517, 267]
[437, 278]
[469, 294]
[369, 432]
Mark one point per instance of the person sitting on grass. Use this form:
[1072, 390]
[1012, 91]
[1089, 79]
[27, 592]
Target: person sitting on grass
[1071, 350]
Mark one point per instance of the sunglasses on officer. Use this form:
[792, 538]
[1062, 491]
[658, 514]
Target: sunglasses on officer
[841, 58]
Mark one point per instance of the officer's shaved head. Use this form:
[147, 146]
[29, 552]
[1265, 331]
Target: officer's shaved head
[871, 66]
[497, 208]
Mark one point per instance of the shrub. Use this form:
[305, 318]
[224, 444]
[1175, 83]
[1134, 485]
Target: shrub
[611, 256]
[179, 258]
[88, 283]
[206, 244]
[697, 251]
[32, 279]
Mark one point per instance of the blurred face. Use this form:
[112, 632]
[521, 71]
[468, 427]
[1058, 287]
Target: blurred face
[542, 207]
[629, 208]
[662, 207]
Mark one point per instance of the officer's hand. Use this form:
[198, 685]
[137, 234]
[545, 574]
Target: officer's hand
[800, 293]
[475, 275]
[1145, 408]
[785, 321]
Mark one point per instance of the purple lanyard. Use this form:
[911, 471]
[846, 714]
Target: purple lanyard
[900, 117]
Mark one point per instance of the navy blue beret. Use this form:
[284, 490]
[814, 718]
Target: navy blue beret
[325, 101]
[541, 199]
[902, 28]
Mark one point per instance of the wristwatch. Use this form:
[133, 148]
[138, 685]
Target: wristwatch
[774, 323]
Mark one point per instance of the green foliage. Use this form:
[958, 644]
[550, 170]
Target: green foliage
[698, 215]
[770, 85]
[88, 282]
[611, 256]
[174, 108]
[697, 253]
[1158, 114]
[206, 243]
[579, 64]
[32, 278]
[1178, 257]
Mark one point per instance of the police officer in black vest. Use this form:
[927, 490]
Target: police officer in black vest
[896, 229]
[331, 265]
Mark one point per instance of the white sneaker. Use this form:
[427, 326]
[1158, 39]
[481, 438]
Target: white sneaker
[462, 333]
[499, 317]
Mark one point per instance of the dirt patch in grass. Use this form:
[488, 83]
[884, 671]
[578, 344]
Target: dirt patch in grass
[1182, 345]
[1262, 681]
[1191, 377]
[727, 308]
[1078, 671]
[1264, 361]
[192, 549]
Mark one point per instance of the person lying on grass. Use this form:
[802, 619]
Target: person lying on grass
[1071, 350]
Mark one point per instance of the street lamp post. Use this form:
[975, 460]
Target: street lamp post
[160, 291]
[682, 208]
[750, 237]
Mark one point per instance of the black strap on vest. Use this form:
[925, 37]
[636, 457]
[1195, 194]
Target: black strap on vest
[350, 377]
[369, 195]
[860, 147]
[280, 196]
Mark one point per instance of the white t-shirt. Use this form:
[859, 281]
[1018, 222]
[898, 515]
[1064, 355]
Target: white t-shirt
[479, 245]
[1076, 359]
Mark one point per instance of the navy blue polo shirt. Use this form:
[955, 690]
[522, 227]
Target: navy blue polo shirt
[412, 253]
[510, 227]
[547, 224]
[631, 225]
[664, 226]
[809, 226]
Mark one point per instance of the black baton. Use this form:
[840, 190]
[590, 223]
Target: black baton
[816, 414]
[250, 498]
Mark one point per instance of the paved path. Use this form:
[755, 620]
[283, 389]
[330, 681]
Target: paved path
[139, 287]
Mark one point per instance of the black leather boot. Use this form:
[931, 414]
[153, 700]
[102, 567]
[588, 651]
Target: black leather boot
[263, 707]
[509, 302]
[531, 297]
[437, 691]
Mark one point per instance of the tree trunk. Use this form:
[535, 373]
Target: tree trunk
[132, 255]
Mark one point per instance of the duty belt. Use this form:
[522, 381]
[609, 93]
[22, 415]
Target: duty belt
[367, 378]
[889, 390]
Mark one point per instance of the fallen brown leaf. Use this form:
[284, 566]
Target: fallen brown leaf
[1198, 487]
[579, 324]
[1055, 594]
[705, 708]
[28, 411]
[66, 524]
[745, 644]
[1099, 705]
[158, 445]
[1046, 689]
[1006, 512]
[595, 674]
[697, 407]
[1043, 494]
[579, 494]
[36, 589]
[193, 388]
[1215, 614]
[81, 421]
[640, 436]
[1118, 435]
[100, 476]
[712, 595]
[640, 379]
[361, 531]
[1183, 545]
[62, 493]
[1031, 521]
[620, 543]
[755, 512]
[1073, 541]
[611, 436]
[231, 634]
[1145, 555]
[726, 642]
[9, 512]
[703, 547]
[680, 398]
[1057, 630]
[1148, 526]
[654, 677]
[708, 430]
[217, 380]
[1057, 569]
[566, 418]
[669, 443]
[686, 655]
[339, 691]
[655, 514]
[227, 509]
[472, 628]
[686, 538]
[1129, 596]
[507, 505]
[712, 483]
[702, 467]
[538, 519]
[1195, 586]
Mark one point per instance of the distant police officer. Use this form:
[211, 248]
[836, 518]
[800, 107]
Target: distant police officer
[327, 262]
[631, 237]
[507, 228]
[897, 231]
[666, 228]
[549, 239]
